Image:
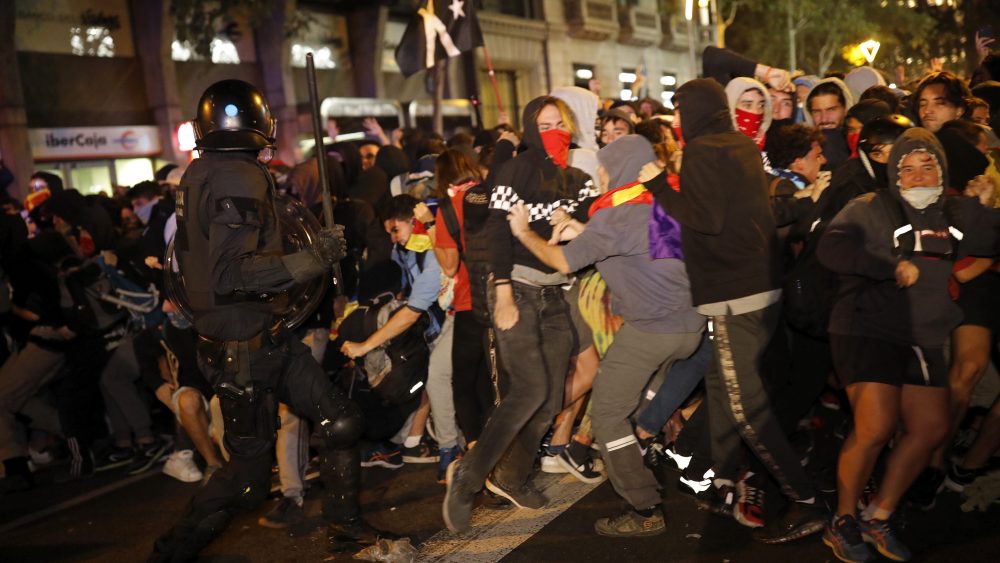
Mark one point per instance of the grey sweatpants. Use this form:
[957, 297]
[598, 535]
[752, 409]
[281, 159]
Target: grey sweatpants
[23, 374]
[439, 392]
[626, 369]
[740, 408]
[128, 412]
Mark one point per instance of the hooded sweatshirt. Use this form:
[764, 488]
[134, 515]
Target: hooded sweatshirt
[584, 104]
[735, 89]
[858, 245]
[728, 231]
[835, 148]
[861, 79]
[534, 179]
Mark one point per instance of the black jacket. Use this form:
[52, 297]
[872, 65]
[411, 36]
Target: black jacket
[858, 245]
[728, 230]
[533, 178]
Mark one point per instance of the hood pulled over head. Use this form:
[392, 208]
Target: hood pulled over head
[736, 88]
[624, 158]
[916, 139]
[703, 108]
[584, 104]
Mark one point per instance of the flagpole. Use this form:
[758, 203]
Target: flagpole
[439, 73]
[493, 78]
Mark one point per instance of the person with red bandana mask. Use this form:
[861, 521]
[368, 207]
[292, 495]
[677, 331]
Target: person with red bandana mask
[530, 315]
[750, 106]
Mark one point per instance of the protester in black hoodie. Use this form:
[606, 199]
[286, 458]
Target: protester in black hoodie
[894, 251]
[531, 316]
[730, 250]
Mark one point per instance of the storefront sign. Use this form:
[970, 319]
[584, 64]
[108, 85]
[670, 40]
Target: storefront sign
[75, 143]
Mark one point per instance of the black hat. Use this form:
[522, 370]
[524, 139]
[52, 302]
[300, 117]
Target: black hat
[883, 131]
[233, 115]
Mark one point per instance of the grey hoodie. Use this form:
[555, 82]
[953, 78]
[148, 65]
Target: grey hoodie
[848, 98]
[859, 242]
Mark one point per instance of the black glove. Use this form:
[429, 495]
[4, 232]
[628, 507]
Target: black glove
[330, 245]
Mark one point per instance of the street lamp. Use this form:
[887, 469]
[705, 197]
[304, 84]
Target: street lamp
[869, 49]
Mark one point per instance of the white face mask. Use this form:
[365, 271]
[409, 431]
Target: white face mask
[920, 198]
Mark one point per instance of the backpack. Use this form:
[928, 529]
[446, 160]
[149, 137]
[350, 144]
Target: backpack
[100, 298]
[397, 370]
[475, 255]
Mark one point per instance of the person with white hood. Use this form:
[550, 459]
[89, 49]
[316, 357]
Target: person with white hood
[750, 106]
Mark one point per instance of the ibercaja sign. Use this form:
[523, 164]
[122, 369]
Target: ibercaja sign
[75, 143]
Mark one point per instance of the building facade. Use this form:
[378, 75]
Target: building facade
[98, 91]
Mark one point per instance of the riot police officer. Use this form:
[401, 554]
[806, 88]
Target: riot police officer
[235, 272]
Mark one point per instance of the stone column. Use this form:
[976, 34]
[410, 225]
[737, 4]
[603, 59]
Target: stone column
[275, 60]
[153, 33]
[15, 147]
[365, 30]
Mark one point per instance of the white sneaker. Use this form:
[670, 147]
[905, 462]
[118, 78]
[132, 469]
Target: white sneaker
[180, 465]
[550, 464]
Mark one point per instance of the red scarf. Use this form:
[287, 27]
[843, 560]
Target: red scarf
[556, 142]
[749, 123]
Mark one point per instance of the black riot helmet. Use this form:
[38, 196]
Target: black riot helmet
[883, 131]
[233, 115]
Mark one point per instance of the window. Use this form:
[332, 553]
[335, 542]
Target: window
[582, 75]
[627, 77]
[668, 83]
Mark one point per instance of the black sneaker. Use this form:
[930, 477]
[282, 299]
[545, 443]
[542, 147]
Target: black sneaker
[586, 470]
[287, 513]
[114, 458]
[800, 520]
[148, 454]
[653, 453]
[421, 453]
[631, 524]
[843, 536]
[959, 478]
[922, 494]
[524, 496]
[457, 506]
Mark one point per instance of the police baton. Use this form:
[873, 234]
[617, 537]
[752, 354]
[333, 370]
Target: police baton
[324, 175]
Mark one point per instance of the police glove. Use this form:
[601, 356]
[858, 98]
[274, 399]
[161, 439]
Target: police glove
[330, 245]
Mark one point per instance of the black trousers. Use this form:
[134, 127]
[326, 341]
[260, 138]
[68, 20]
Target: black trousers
[471, 385]
[286, 372]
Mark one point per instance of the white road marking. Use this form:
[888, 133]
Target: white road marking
[495, 533]
[75, 501]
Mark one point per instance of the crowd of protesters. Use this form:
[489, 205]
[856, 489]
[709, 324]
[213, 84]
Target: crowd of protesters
[608, 291]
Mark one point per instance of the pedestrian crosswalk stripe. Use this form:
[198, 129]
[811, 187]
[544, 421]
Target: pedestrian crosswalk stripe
[495, 533]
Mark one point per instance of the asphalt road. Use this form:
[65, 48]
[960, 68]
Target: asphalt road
[121, 524]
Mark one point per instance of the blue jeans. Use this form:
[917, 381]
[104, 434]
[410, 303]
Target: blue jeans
[680, 381]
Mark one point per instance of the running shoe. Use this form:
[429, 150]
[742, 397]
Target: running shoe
[629, 523]
[146, 455]
[382, 455]
[524, 496]
[749, 507]
[882, 535]
[445, 458]
[959, 478]
[585, 470]
[843, 536]
[421, 453]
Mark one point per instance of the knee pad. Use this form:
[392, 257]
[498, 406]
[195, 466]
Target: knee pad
[341, 422]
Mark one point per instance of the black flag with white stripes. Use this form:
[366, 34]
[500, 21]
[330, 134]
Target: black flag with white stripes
[440, 29]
